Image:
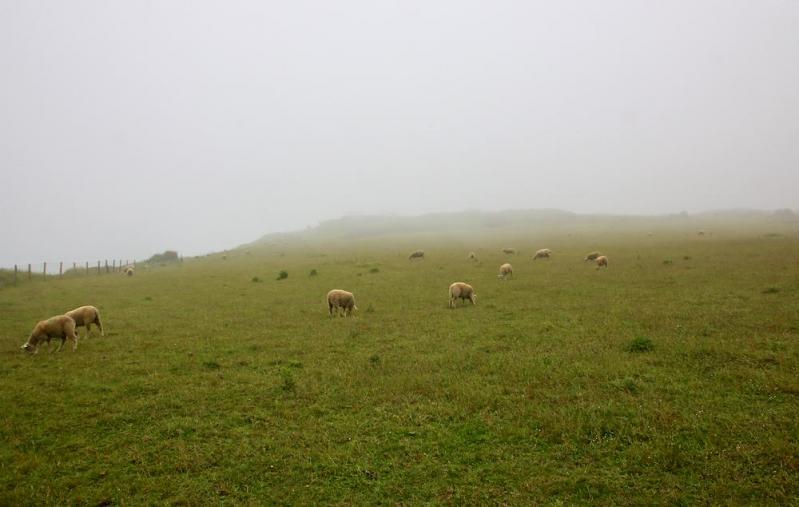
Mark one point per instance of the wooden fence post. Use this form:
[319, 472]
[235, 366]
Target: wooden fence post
[114, 265]
[74, 265]
[98, 267]
[29, 271]
[106, 265]
[44, 271]
[15, 274]
[60, 269]
[87, 267]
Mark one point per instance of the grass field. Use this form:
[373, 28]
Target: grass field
[670, 378]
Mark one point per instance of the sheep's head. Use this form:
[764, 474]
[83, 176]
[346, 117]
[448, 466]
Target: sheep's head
[27, 347]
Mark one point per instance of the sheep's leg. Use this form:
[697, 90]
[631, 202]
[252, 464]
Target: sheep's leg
[74, 341]
[61, 345]
[99, 325]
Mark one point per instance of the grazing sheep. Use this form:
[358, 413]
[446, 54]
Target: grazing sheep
[418, 254]
[509, 251]
[544, 253]
[472, 256]
[601, 261]
[61, 326]
[505, 271]
[592, 256]
[127, 270]
[86, 316]
[342, 301]
[460, 290]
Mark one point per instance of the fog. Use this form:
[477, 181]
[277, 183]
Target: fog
[128, 128]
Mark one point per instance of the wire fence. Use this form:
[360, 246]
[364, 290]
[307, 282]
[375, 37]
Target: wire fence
[51, 270]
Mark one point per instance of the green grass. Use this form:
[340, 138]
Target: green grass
[210, 388]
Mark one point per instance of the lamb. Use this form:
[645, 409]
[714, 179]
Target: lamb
[509, 251]
[601, 261]
[418, 254]
[341, 301]
[592, 256]
[86, 316]
[127, 270]
[505, 270]
[60, 326]
[544, 253]
[460, 290]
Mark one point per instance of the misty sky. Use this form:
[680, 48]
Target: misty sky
[128, 128]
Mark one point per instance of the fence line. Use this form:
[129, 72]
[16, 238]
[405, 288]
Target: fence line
[115, 267]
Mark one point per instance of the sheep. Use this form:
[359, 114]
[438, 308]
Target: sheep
[601, 261]
[460, 290]
[127, 270]
[592, 256]
[341, 300]
[60, 326]
[544, 253]
[505, 271]
[86, 316]
[472, 256]
[418, 254]
[509, 251]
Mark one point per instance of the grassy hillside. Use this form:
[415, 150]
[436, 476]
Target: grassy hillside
[671, 377]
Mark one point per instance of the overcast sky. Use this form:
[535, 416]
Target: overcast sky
[128, 128]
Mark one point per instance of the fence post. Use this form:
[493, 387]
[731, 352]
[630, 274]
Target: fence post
[74, 265]
[44, 272]
[87, 268]
[106, 265]
[98, 267]
[60, 269]
[114, 265]
[29, 271]
[15, 274]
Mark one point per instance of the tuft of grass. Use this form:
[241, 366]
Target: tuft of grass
[211, 365]
[667, 262]
[313, 273]
[640, 344]
[771, 290]
[255, 279]
[282, 275]
[288, 383]
[374, 270]
[148, 298]
[686, 257]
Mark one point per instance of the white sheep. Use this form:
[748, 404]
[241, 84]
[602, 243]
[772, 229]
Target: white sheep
[601, 261]
[592, 256]
[60, 326]
[505, 271]
[509, 251]
[544, 253]
[460, 290]
[418, 254]
[341, 301]
[85, 316]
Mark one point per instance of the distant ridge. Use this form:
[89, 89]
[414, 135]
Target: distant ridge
[366, 226]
